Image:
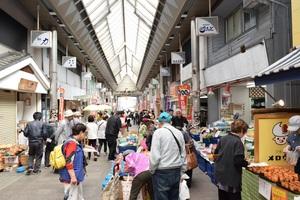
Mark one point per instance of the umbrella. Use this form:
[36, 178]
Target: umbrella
[94, 107]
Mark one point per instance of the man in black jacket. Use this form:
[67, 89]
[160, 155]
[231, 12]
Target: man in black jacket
[111, 134]
[35, 131]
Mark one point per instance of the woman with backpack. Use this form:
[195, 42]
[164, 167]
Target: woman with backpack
[72, 175]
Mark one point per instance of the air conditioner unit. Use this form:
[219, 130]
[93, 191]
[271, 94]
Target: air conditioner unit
[250, 4]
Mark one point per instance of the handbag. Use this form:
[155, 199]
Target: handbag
[191, 157]
[113, 190]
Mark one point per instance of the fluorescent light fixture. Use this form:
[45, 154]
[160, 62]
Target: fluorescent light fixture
[62, 25]
[52, 13]
[70, 36]
[204, 97]
[167, 44]
[184, 15]
[171, 37]
[81, 50]
[178, 26]
[76, 43]
[250, 84]
[163, 51]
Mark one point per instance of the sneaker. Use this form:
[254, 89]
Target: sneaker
[29, 172]
[37, 171]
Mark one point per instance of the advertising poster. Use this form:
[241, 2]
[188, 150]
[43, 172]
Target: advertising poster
[272, 140]
[183, 92]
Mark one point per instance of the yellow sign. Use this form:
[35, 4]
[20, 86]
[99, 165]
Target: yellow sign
[295, 22]
[279, 194]
[272, 140]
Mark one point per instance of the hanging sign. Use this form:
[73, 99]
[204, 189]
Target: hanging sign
[69, 61]
[183, 92]
[164, 71]
[178, 57]
[27, 85]
[279, 194]
[207, 25]
[41, 39]
[264, 188]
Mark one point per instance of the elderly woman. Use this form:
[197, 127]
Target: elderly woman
[229, 162]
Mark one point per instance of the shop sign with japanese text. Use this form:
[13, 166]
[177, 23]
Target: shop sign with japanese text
[207, 25]
[41, 39]
[183, 92]
[69, 61]
[178, 57]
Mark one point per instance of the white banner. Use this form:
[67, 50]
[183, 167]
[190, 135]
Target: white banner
[178, 57]
[207, 25]
[69, 62]
[41, 39]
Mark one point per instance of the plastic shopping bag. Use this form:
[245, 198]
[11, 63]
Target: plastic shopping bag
[292, 157]
[184, 192]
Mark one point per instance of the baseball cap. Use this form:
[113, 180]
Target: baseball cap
[164, 117]
[294, 123]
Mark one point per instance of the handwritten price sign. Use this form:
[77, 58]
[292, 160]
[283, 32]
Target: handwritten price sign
[278, 194]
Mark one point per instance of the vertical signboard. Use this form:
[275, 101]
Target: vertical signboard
[295, 22]
[61, 92]
[183, 92]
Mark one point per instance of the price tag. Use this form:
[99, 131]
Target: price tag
[279, 194]
[264, 188]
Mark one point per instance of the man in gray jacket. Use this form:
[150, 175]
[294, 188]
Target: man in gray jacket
[167, 159]
[35, 132]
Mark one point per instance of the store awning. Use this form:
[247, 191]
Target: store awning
[285, 69]
[19, 72]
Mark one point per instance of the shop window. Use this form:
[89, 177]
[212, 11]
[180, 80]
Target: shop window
[234, 25]
[249, 19]
[239, 22]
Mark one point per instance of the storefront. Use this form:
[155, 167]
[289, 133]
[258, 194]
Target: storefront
[21, 84]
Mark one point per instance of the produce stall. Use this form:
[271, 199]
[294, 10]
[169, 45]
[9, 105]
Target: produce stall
[259, 186]
[129, 142]
[11, 156]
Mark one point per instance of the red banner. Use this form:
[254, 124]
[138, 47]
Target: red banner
[183, 92]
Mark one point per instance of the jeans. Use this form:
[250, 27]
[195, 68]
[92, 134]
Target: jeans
[166, 184]
[142, 179]
[92, 143]
[112, 144]
[101, 143]
[35, 155]
[223, 195]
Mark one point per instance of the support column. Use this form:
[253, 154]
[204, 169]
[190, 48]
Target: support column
[202, 61]
[53, 73]
[195, 70]
[162, 96]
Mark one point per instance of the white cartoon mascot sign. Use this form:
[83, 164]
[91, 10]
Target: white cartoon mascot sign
[280, 133]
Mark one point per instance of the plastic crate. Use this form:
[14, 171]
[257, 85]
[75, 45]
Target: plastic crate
[125, 148]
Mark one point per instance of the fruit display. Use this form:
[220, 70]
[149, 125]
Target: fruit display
[12, 150]
[285, 177]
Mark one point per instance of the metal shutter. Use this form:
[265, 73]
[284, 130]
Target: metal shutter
[8, 119]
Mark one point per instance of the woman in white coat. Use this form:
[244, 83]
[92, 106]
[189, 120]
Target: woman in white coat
[101, 134]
